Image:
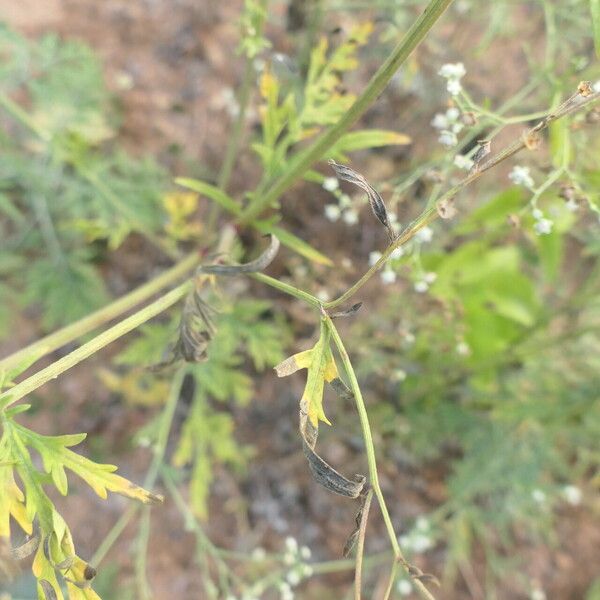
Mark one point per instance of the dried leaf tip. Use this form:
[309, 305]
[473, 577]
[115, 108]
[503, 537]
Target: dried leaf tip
[585, 89]
[375, 200]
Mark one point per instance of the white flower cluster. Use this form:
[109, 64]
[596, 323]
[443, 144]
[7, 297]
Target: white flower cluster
[572, 494]
[453, 73]
[449, 125]
[404, 587]
[424, 235]
[419, 538]
[542, 225]
[388, 275]
[294, 557]
[521, 176]
[422, 284]
[537, 594]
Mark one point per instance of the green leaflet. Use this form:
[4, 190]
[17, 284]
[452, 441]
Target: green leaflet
[32, 509]
[595, 10]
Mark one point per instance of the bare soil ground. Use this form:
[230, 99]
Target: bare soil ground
[169, 63]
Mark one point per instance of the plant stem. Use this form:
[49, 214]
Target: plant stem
[234, 139]
[75, 330]
[160, 448]
[110, 335]
[302, 161]
[286, 288]
[371, 461]
[152, 474]
[571, 105]
[360, 546]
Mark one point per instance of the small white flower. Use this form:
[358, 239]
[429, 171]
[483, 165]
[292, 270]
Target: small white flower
[452, 114]
[388, 276]
[521, 176]
[452, 70]
[306, 571]
[440, 121]
[422, 524]
[421, 543]
[332, 212]
[421, 286]
[293, 578]
[291, 544]
[404, 587]
[537, 213]
[572, 494]
[463, 349]
[572, 205]
[543, 226]
[374, 257]
[286, 591]
[289, 559]
[409, 337]
[323, 295]
[596, 87]
[399, 375]
[430, 277]
[405, 542]
[330, 184]
[305, 552]
[447, 138]
[345, 201]
[454, 87]
[463, 162]
[424, 235]
[259, 65]
[537, 594]
[350, 217]
[397, 253]
[539, 496]
[258, 554]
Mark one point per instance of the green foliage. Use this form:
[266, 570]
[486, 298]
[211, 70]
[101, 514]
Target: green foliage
[23, 498]
[289, 117]
[245, 331]
[62, 187]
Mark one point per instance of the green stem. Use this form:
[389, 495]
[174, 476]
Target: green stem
[160, 448]
[300, 163]
[67, 334]
[110, 335]
[286, 288]
[371, 460]
[431, 214]
[234, 139]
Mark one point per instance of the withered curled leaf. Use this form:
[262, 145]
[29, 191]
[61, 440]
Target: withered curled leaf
[196, 327]
[349, 312]
[360, 520]
[375, 200]
[322, 472]
[27, 548]
[254, 266]
[321, 368]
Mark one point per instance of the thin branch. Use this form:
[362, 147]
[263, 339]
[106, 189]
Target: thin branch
[110, 335]
[360, 546]
[371, 460]
[67, 334]
[571, 105]
[302, 161]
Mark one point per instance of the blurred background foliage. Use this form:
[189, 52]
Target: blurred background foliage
[479, 345]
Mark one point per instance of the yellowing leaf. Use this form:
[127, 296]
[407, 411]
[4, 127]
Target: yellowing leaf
[321, 368]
